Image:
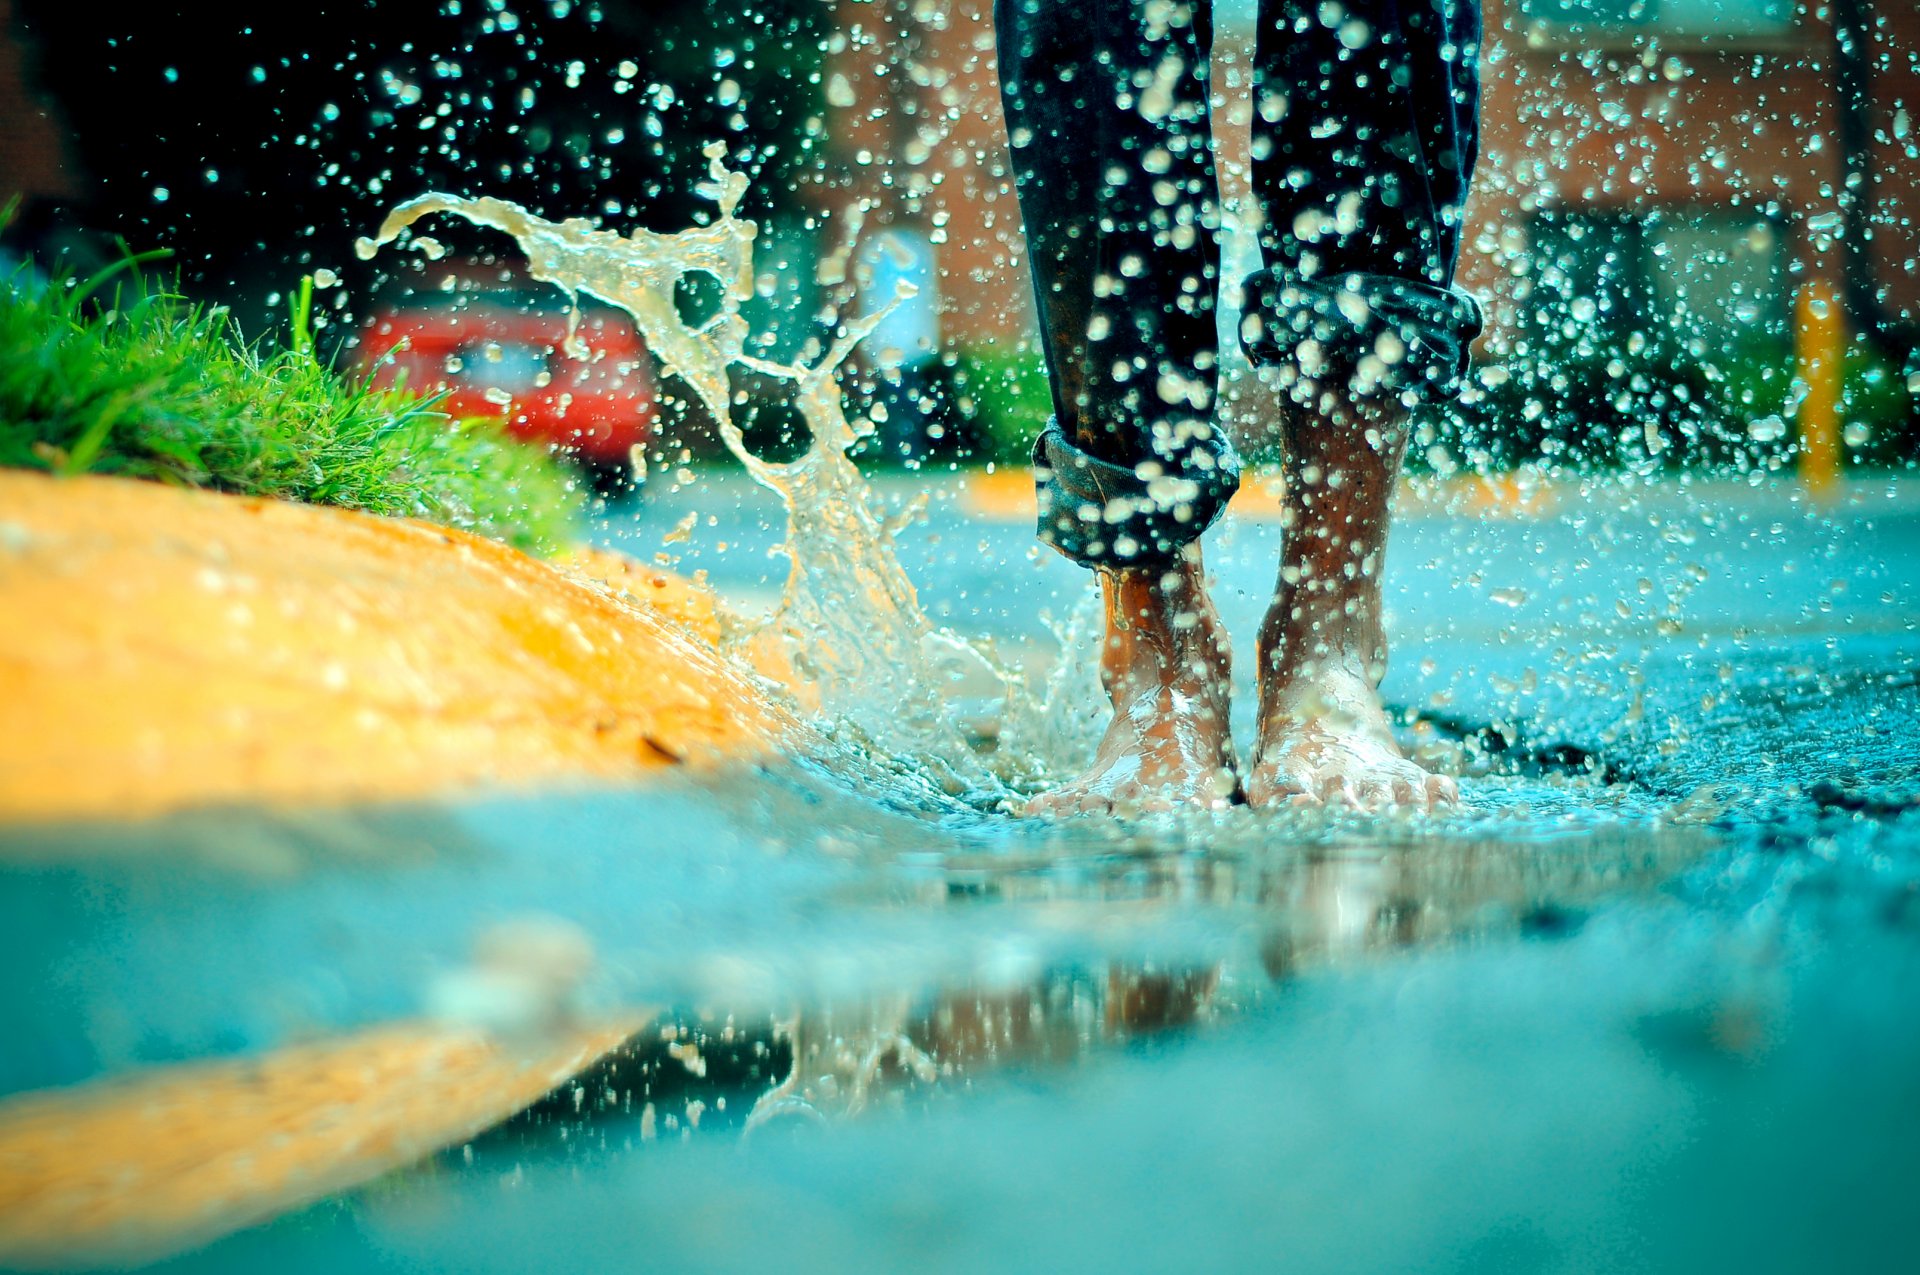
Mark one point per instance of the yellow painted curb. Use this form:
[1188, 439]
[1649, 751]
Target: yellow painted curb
[138, 1169]
[1006, 495]
[166, 648]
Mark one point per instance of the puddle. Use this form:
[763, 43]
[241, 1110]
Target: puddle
[911, 1031]
[746, 892]
[945, 1041]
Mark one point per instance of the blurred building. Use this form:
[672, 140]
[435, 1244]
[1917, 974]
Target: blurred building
[1643, 160]
[1697, 158]
[914, 126]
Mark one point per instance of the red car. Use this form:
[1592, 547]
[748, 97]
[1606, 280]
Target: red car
[499, 350]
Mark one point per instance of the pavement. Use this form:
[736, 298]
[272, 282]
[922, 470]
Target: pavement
[1643, 1003]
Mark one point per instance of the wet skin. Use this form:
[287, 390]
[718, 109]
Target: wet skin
[1323, 737]
[1165, 664]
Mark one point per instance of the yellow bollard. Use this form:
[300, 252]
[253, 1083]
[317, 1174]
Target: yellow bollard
[1819, 355]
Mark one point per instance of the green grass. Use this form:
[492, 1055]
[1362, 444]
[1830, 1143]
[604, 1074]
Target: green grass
[113, 376]
[1002, 392]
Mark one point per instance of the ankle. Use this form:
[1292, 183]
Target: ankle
[1161, 625]
[1315, 637]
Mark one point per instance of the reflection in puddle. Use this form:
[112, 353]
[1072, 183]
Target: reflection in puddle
[1264, 911]
[834, 957]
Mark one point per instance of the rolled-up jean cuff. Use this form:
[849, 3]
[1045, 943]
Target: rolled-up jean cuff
[1377, 331]
[1102, 514]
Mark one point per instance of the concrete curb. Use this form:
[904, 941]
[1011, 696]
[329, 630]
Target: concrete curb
[168, 649]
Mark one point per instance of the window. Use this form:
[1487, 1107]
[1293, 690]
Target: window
[1695, 21]
[1674, 277]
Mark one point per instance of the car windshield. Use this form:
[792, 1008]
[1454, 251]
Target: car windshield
[507, 365]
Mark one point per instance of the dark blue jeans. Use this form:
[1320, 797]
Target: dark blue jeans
[1365, 130]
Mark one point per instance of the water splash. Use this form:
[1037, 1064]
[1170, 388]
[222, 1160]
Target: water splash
[849, 622]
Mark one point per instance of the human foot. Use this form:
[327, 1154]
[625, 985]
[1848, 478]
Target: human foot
[1325, 740]
[1165, 665]
[1323, 735]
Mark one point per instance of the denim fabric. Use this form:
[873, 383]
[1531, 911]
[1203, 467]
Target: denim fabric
[1105, 514]
[1365, 131]
[1366, 128]
[1111, 142]
[1364, 334]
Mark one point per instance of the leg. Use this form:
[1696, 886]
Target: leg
[1323, 736]
[1110, 138]
[1363, 176]
[1165, 666]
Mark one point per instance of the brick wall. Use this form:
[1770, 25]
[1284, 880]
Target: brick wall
[1641, 126]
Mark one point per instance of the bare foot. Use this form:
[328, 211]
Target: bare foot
[1324, 737]
[1325, 741]
[1165, 666]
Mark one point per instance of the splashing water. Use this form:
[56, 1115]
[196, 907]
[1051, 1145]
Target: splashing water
[849, 621]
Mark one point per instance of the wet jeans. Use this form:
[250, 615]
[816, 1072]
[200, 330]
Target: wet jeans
[1365, 128]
